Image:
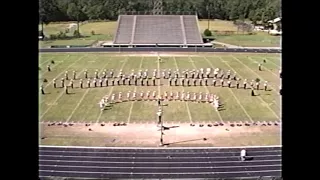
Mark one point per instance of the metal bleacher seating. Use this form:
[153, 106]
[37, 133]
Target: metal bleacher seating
[158, 29]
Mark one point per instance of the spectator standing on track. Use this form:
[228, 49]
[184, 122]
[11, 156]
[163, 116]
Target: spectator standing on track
[260, 67]
[41, 89]
[49, 68]
[54, 83]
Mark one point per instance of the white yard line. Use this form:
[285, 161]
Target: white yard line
[135, 88]
[189, 113]
[65, 70]
[61, 93]
[78, 104]
[55, 101]
[251, 70]
[267, 105]
[111, 90]
[84, 95]
[268, 58]
[264, 67]
[243, 109]
[40, 64]
[192, 62]
[57, 63]
[77, 75]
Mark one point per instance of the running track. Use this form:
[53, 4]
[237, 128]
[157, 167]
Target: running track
[87, 162]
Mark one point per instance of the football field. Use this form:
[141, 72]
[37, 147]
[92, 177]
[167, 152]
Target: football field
[81, 105]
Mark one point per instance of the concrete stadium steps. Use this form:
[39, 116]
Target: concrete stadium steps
[158, 29]
[125, 28]
[192, 31]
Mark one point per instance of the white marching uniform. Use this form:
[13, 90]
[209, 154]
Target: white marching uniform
[200, 97]
[154, 94]
[182, 96]
[112, 97]
[134, 95]
[177, 96]
[194, 96]
[128, 95]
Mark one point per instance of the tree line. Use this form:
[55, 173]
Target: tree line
[82, 10]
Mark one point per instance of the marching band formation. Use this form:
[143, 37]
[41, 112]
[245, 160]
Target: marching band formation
[154, 96]
[217, 77]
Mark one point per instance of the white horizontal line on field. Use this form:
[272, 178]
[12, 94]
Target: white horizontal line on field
[116, 152]
[169, 162]
[132, 173]
[155, 157]
[194, 167]
[97, 147]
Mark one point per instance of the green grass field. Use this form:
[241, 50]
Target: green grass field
[82, 104]
[105, 31]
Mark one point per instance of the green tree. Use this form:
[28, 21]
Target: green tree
[47, 8]
[74, 11]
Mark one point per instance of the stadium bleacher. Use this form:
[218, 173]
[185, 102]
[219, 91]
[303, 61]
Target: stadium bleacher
[158, 29]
